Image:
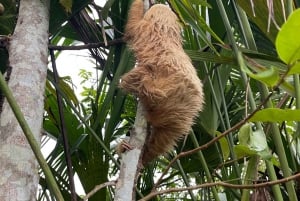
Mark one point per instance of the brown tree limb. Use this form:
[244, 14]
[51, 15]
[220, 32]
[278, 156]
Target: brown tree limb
[97, 188]
[86, 46]
[224, 184]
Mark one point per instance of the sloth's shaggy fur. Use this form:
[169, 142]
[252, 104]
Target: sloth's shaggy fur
[164, 79]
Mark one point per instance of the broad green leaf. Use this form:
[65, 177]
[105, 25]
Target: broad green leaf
[64, 86]
[258, 140]
[258, 143]
[255, 141]
[265, 154]
[295, 69]
[288, 40]
[243, 151]
[224, 146]
[269, 76]
[276, 115]
[244, 134]
[287, 87]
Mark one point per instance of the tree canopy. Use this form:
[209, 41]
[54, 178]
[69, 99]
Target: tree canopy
[243, 146]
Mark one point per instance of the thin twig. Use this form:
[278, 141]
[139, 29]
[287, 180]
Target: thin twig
[99, 187]
[86, 46]
[224, 184]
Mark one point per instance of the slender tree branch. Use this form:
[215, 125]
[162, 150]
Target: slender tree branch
[99, 187]
[224, 184]
[86, 46]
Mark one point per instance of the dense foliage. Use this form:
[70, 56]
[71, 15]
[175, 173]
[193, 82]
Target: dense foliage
[246, 138]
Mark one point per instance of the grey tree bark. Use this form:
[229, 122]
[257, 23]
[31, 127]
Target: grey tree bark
[130, 164]
[28, 57]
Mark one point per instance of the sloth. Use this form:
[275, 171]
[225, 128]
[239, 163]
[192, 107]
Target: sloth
[164, 79]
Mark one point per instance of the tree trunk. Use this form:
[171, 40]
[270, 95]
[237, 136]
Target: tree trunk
[28, 56]
[131, 160]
